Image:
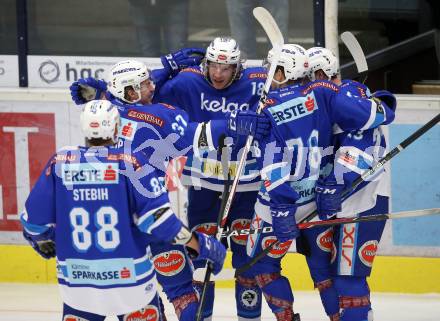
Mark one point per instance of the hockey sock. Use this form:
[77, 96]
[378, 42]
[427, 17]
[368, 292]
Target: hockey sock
[354, 298]
[278, 294]
[209, 299]
[248, 299]
[329, 298]
[186, 306]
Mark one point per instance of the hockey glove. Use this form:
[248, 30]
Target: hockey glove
[209, 249]
[87, 89]
[386, 97]
[246, 122]
[178, 60]
[43, 243]
[328, 198]
[283, 221]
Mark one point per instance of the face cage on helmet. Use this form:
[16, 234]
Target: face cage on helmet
[235, 76]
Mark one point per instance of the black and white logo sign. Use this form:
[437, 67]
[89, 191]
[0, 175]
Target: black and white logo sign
[49, 71]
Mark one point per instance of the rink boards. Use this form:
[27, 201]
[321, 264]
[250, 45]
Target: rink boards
[35, 122]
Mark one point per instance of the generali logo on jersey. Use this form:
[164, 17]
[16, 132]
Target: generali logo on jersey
[220, 105]
[90, 173]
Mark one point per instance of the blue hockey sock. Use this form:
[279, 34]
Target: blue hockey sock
[209, 299]
[248, 298]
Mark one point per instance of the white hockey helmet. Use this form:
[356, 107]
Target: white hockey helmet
[294, 60]
[223, 50]
[127, 73]
[324, 59]
[99, 119]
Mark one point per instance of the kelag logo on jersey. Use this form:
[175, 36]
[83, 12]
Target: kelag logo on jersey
[90, 173]
[101, 272]
[222, 106]
[294, 109]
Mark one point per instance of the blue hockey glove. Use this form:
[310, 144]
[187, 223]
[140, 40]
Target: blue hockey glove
[328, 198]
[43, 243]
[386, 97]
[212, 250]
[178, 60]
[283, 221]
[246, 122]
[87, 89]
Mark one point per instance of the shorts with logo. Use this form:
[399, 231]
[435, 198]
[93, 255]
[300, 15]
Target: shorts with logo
[270, 263]
[203, 210]
[151, 312]
[355, 245]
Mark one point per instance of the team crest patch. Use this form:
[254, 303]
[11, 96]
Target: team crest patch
[169, 263]
[325, 240]
[278, 250]
[367, 252]
[240, 224]
[149, 313]
[206, 228]
[249, 298]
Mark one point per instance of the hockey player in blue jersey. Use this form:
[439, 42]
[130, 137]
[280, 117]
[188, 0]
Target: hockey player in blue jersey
[164, 131]
[207, 93]
[303, 116]
[95, 209]
[355, 245]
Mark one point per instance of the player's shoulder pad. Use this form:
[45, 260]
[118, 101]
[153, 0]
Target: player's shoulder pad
[353, 85]
[254, 73]
[149, 114]
[66, 154]
[136, 159]
[193, 70]
[320, 84]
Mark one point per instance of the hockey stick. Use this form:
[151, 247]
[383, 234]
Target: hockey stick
[276, 38]
[357, 53]
[422, 130]
[228, 274]
[339, 221]
[208, 267]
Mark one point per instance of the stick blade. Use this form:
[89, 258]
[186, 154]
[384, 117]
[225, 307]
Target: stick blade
[356, 51]
[270, 26]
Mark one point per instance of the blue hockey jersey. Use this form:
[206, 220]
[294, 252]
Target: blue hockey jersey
[164, 132]
[357, 151]
[303, 120]
[101, 203]
[192, 92]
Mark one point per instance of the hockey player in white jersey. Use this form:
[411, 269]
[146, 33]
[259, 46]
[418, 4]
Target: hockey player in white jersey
[96, 209]
[346, 296]
[303, 115]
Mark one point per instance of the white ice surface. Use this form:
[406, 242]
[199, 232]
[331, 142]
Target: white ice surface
[29, 302]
